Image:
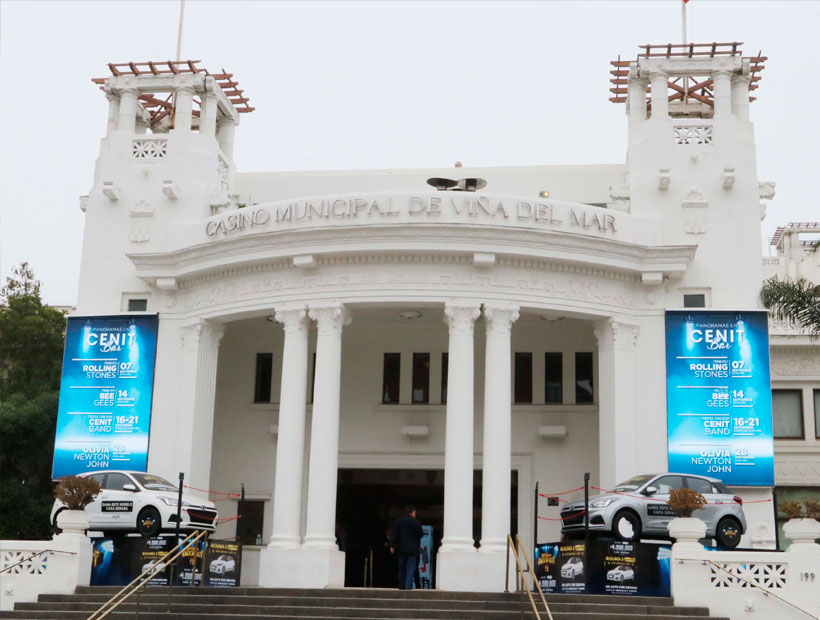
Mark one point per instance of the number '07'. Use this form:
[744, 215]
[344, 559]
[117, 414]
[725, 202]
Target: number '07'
[125, 365]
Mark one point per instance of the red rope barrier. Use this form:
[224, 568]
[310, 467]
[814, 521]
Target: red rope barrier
[561, 493]
[210, 492]
[577, 514]
[235, 495]
[226, 519]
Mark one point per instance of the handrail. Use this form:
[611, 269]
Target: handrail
[766, 591]
[110, 605]
[34, 555]
[518, 547]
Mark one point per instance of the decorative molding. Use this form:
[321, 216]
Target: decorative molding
[293, 319]
[767, 575]
[170, 189]
[795, 362]
[694, 212]
[149, 149]
[498, 319]
[766, 189]
[664, 178]
[141, 222]
[201, 336]
[330, 318]
[693, 134]
[460, 315]
[223, 171]
[728, 178]
[111, 191]
[802, 468]
[614, 334]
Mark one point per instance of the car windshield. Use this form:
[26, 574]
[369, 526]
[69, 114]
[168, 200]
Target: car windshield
[154, 483]
[632, 484]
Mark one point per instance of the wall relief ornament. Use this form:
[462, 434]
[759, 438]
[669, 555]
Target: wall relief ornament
[141, 221]
[796, 363]
[694, 212]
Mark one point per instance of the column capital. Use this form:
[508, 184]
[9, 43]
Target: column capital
[292, 317]
[616, 334]
[657, 74]
[187, 89]
[201, 335]
[330, 318]
[499, 318]
[723, 72]
[460, 315]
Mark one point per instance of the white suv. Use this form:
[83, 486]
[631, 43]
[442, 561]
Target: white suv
[136, 501]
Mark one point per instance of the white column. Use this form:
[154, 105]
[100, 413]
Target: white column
[637, 101]
[496, 474]
[660, 95]
[183, 108]
[290, 447]
[113, 111]
[225, 136]
[195, 381]
[722, 80]
[208, 110]
[740, 96]
[320, 530]
[617, 389]
[460, 316]
[128, 110]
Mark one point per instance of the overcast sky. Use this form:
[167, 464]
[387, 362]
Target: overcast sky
[375, 85]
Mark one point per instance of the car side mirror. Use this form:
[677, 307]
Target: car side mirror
[650, 490]
[129, 487]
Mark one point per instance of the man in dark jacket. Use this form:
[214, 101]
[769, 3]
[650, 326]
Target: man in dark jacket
[407, 534]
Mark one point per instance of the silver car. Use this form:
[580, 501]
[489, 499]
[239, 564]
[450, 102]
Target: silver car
[637, 508]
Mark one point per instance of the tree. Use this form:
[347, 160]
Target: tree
[31, 347]
[797, 301]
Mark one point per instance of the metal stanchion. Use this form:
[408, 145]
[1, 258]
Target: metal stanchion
[586, 528]
[535, 521]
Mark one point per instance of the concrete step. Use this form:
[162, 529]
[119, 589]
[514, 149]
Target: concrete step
[189, 603]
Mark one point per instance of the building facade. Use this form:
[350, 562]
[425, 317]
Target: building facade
[344, 343]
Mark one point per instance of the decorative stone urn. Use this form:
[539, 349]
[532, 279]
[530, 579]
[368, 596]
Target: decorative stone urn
[803, 533]
[687, 531]
[73, 523]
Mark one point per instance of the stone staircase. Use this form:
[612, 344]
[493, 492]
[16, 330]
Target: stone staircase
[351, 603]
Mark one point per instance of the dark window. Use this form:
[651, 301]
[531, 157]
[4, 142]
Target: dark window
[313, 378]
[114, 482]
[249, 526]
[137, 305]
[817, 413]
[553, 378]
[694, 300]
[391, 378]
[667, 483]
[445, 358]
[787, 412]
[699, 484]
[584, 392]
[523, 377]
[421, 377]
[264, 370]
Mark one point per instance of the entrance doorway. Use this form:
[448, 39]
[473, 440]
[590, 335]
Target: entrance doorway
[368, 501]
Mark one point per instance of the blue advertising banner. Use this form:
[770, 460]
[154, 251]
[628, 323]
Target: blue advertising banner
[104, 415]
[718, 396]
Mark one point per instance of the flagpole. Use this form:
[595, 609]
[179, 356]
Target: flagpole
[683, 20]
[179, 33]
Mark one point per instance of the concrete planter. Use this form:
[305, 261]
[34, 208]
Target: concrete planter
[73, 523]
[687, 531]
[803, 533]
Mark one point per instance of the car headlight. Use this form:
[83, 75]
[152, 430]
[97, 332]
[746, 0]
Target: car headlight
[601, 503]
[172, 501]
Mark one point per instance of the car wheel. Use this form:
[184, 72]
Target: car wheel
[149, 522]
[626, 526]
[54, 527]
[728, 533]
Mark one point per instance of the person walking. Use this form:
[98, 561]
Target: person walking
[407, 534]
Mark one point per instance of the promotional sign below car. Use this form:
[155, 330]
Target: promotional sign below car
[718, 396]
[106, 388]
[610, 567]
[223, 561]
[117, 561]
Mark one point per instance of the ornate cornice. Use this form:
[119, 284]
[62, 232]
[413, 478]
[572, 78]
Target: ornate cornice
[460, 315]
[458, 240]
[795, 361]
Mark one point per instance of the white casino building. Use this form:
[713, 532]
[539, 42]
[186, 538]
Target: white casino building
[346, 342]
